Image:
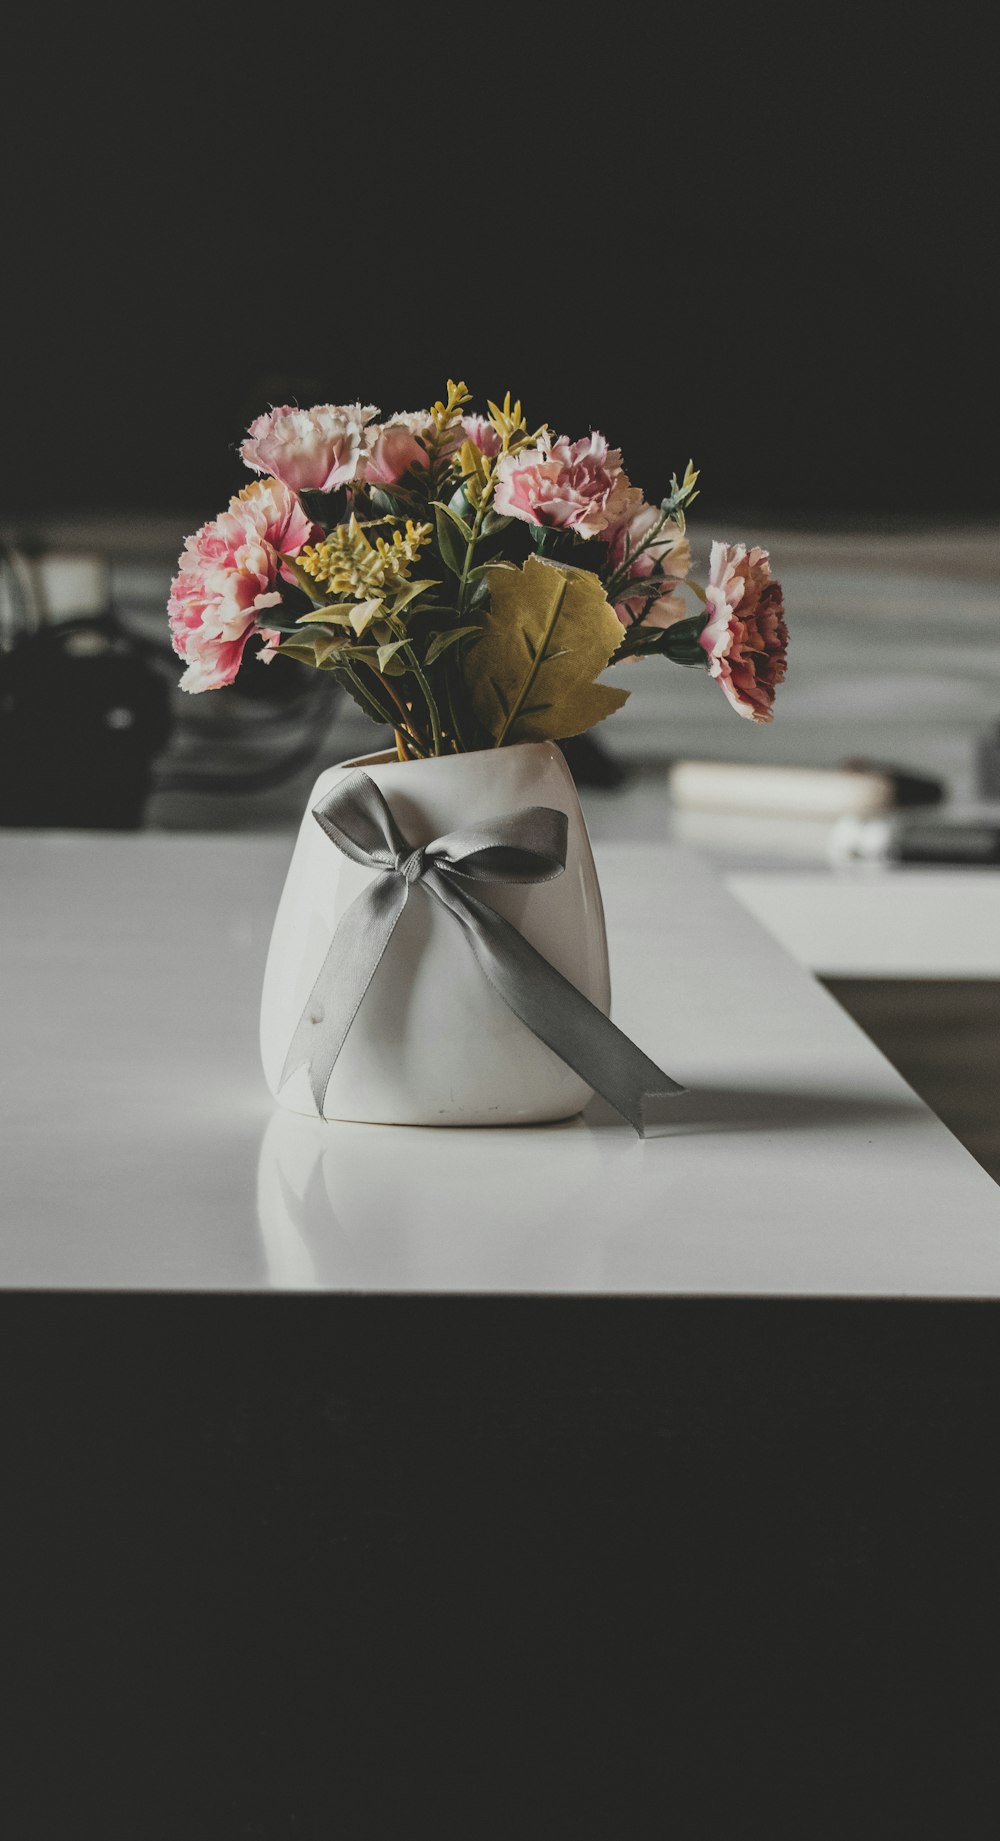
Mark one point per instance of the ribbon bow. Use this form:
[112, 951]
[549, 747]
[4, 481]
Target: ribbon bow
[527, 846]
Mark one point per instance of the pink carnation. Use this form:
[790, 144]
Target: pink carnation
[481, 432]
[668, 556]
[746, 638]
[309, 449]
[393, 448]
[390, 452]
[269, 650]
[226, 579]
[566, 485]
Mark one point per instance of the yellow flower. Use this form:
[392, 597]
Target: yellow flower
[346, 563]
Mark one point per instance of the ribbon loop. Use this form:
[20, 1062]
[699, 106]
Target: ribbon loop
[363, 828]
[528, 846]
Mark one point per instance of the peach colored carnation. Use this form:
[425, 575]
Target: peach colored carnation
[668, 556]
[401, 442]
[393, 448]
[481, 432]
[745, 637]
[566, 485]
[227, 578]
[309, 449]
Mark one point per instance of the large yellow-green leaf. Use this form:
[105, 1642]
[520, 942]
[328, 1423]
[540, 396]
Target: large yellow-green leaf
[548, 633]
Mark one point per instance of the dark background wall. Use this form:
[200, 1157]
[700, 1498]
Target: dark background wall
[766, 247]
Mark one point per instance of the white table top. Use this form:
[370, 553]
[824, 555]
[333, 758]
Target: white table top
[141, 1150]
[875, 922]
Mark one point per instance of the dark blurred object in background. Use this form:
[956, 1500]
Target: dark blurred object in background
[84, 711]
[591, 764]
[988, 764]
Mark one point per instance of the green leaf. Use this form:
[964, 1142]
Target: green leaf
[385, 653]
[478, 584]
[306, 655]
[405, 595]
[364, 612]
[441, 641]
[460, 506]
[356, 689]
[548, 634]
[493, 522]
[383, 502]
[451, 511]
[451, 542]
[327, 649]
[332, 613]
[682, 493]
[306, 582]
[482, 570]
[557, 545]
[315, 649]
[277, 621]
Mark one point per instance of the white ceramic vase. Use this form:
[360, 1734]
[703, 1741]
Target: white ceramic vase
[433, 1043]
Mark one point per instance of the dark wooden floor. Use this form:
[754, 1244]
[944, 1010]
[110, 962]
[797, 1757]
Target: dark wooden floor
[943, 1034]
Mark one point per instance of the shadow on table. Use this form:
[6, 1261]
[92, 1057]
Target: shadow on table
[728, 1109]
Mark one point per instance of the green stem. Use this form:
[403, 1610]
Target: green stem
[375, 709]
[623, 573]
[627, 649]
[477, 531]
[429, 698]
[456, 727]
[405, 715]
[413, 662]
[485, 501]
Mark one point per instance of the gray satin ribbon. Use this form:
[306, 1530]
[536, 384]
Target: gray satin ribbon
[527, 846]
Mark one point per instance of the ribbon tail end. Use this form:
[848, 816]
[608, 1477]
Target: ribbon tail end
[651, 1103]
[302, 1054]
[317, 1083]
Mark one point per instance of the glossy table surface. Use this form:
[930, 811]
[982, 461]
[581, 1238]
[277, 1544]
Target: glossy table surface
[141, 1150]
[875, 922]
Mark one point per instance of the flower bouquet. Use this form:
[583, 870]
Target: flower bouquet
[467, 579]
